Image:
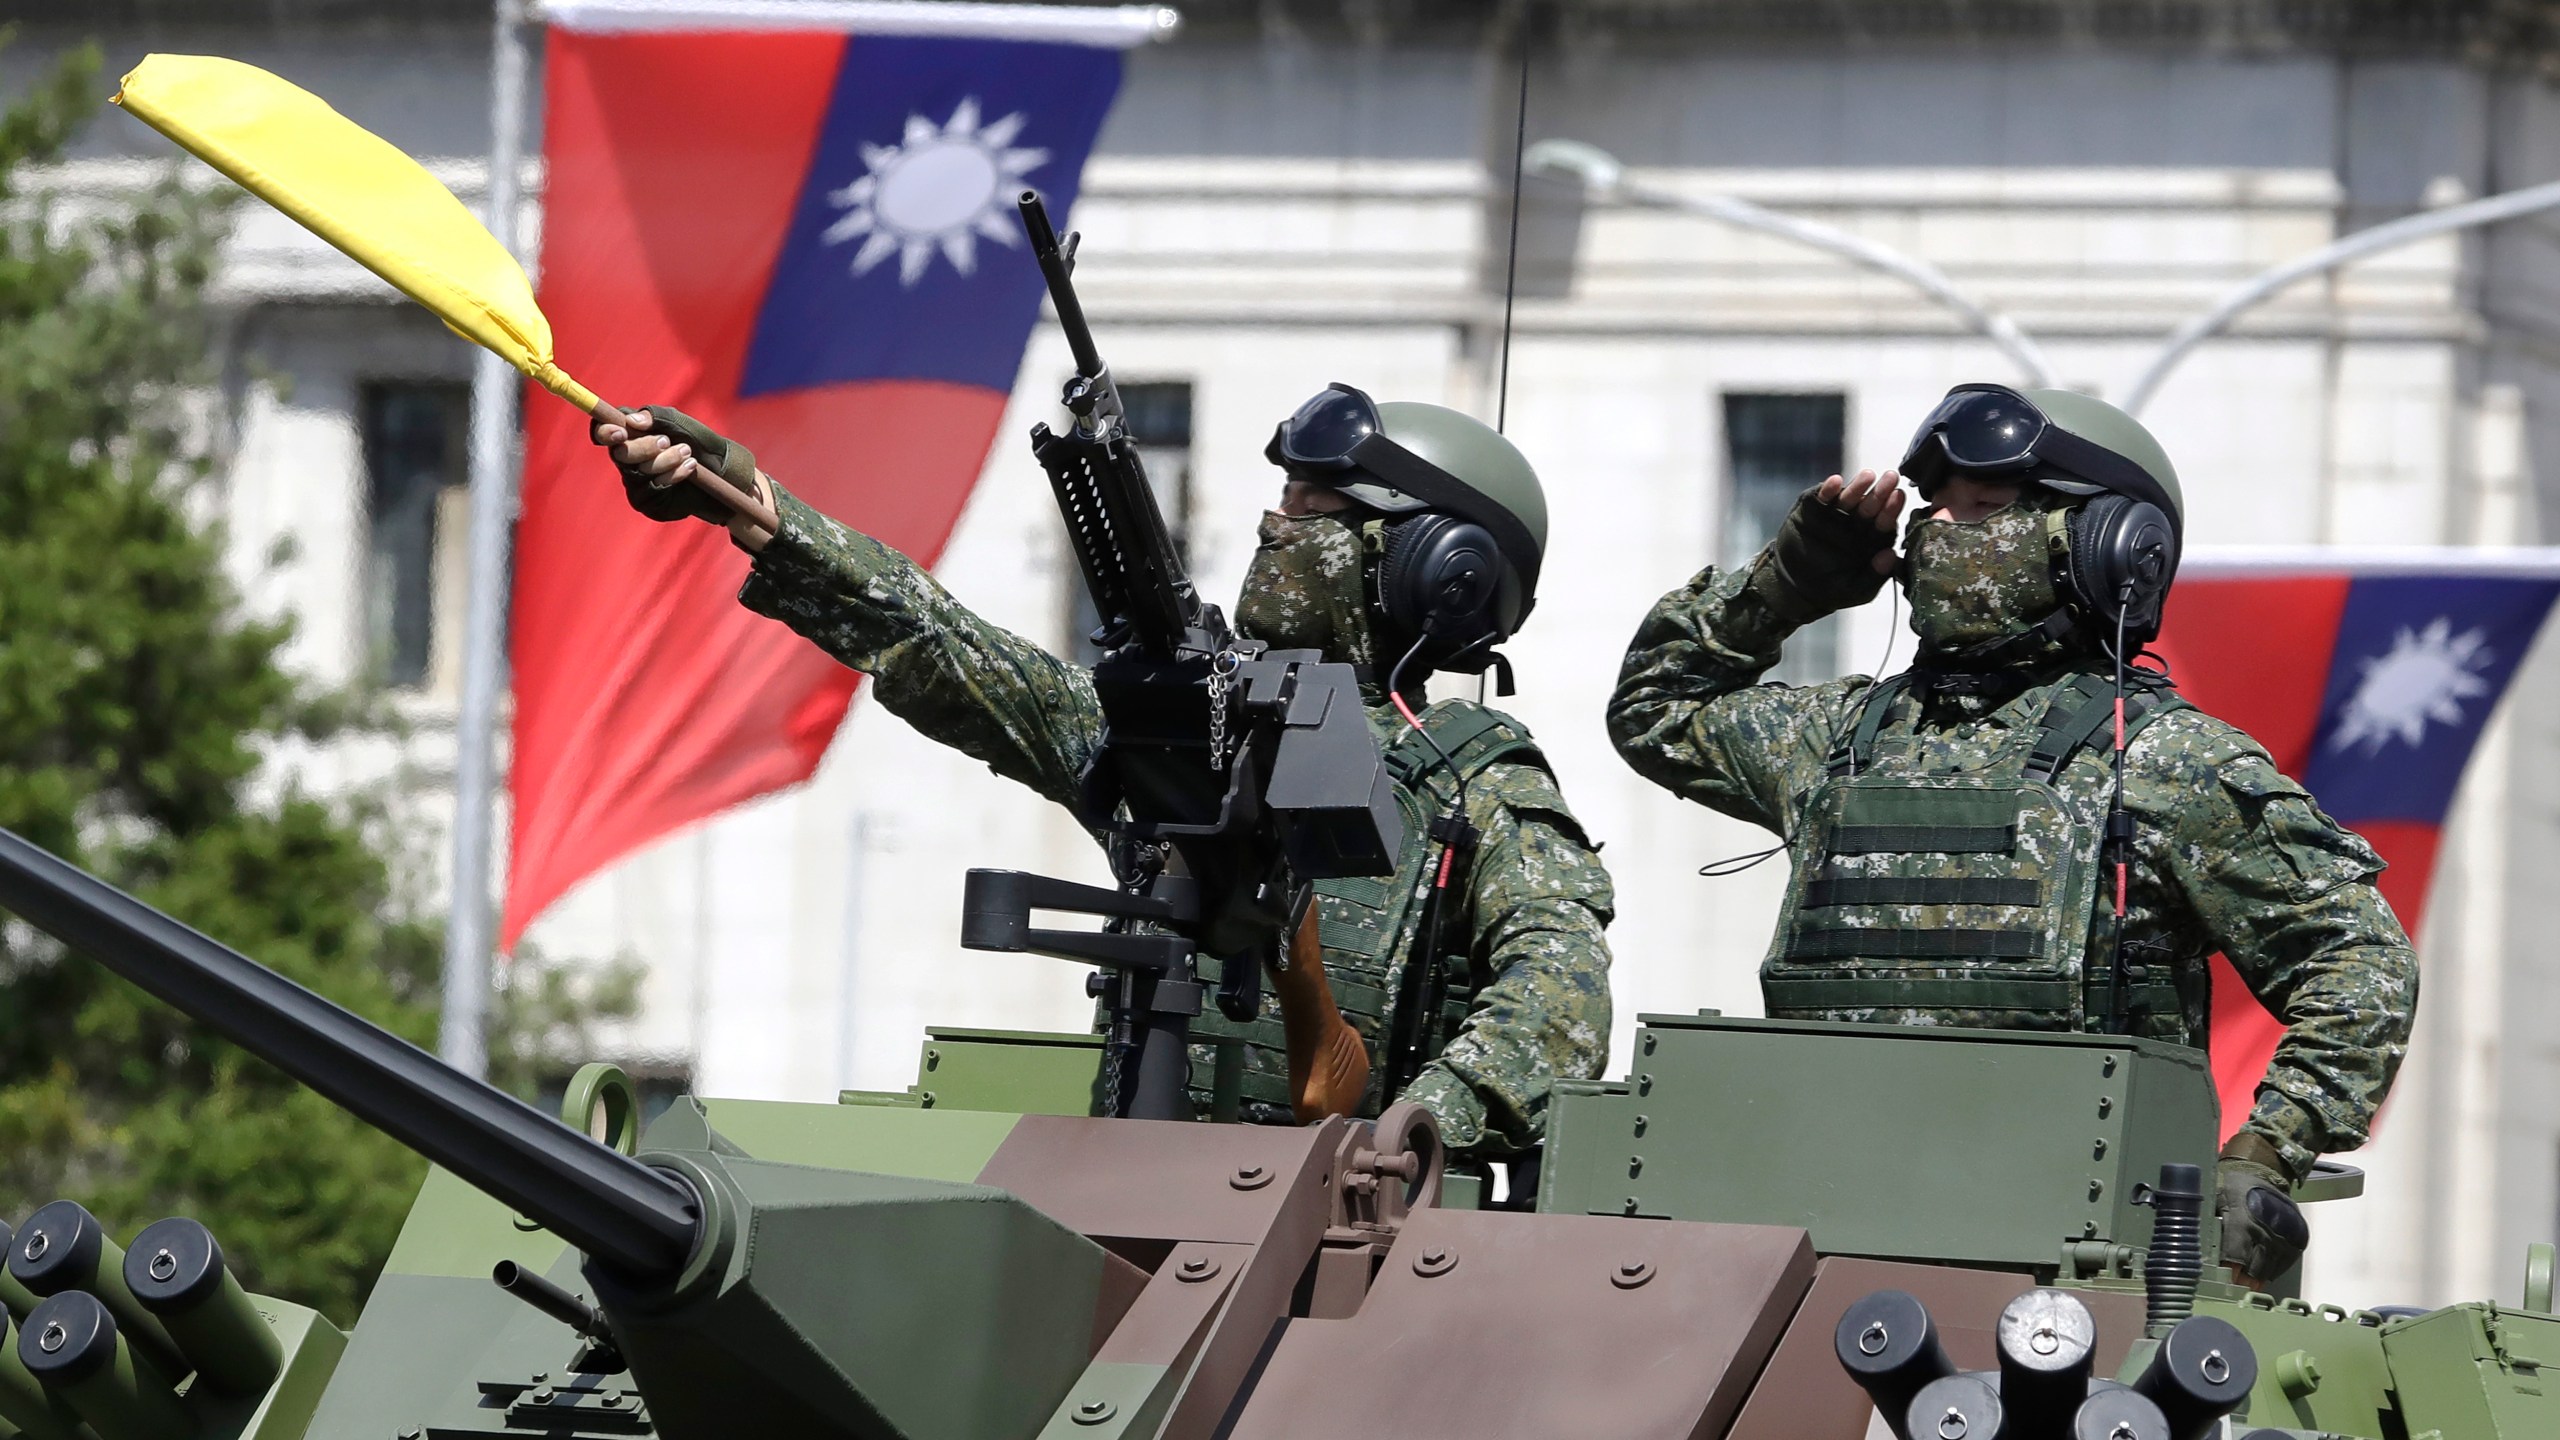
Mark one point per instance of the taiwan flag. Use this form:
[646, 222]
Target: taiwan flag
[2369, 676]
[804, 236]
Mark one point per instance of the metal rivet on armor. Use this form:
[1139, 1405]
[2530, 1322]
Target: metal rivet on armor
[1632, 1274]
[1250, 1177]
[611, 1402]
[1641, 1122]
[1094, 1412]
[1635, 1166]
[2106, 1104]
[1435, 1262]
[1196, 1269]
[2107, 1066]
[542, 1394]
[414, 1432]
[541, 1375]
[1648, 1042]
[1644, 1084]
[2098, 1151]
[932, 1059]
[2088, 1229]
[1631, 1204]
[2097, 1188]
[163, 1264]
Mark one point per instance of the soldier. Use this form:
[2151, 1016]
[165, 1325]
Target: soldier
[1949, 827]
[1370, 573]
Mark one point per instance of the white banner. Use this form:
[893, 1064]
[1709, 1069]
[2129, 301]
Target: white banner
[2225, 561]
[1118, 26]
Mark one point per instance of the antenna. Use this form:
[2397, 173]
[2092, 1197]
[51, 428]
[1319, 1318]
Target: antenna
[1511, 264]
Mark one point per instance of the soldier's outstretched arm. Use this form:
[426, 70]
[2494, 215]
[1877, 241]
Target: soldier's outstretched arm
[936, 664]
[973, 685]
[2288, 896]
[1541, 903]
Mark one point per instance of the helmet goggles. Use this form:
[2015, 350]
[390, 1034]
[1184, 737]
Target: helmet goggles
[1325, 431]
[1995, 434]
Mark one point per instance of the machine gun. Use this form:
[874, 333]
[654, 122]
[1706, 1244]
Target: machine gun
[1228, 774]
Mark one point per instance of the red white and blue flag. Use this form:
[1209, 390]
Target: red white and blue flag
[2369, 676]
[795, 222]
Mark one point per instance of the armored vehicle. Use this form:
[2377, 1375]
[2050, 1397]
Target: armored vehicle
[1767, 1229]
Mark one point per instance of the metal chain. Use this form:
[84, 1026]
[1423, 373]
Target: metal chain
[1220, 671]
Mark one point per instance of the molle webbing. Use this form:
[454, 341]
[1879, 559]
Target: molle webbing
[1835, 890]
[1923, 839]
[1915, 944]
[1919, 992]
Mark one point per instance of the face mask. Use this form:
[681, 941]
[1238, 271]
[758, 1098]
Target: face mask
[1971, 584]
[1303, 590]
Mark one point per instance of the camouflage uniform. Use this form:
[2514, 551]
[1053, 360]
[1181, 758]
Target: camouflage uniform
[2229, 854]
[1538, 896]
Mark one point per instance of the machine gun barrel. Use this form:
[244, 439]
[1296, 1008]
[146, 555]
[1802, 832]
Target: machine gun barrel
[1140, 589]
[635, 1220]
[1054, 267]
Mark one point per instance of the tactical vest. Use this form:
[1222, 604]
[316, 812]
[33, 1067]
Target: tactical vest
[1972, 891]
[1369, 926]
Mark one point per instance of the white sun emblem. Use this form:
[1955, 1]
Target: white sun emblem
[939, 188]
[2425, 677]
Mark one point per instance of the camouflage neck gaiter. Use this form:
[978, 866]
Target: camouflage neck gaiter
[1303, 590]
[1971, 584]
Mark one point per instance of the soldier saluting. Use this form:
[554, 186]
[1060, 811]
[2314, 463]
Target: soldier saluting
[1407, 539]
[1972, 844]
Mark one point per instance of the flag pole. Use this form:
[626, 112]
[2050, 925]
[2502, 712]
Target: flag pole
[462, 1036]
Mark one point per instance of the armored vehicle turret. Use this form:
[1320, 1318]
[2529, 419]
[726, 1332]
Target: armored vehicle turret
[1766, 1229]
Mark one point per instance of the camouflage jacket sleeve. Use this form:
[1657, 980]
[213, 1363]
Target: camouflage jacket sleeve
[2288, 897]
[976, 687]
[1690, 715]
[1541, 901]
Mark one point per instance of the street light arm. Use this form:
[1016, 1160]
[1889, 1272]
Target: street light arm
[1604, 178]
[2389, 236]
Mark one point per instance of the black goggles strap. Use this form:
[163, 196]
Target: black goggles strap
[1403, 470]
[2071, 458]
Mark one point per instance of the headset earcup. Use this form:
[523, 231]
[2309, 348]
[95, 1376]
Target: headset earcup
[2117, 541]
[1444, 577]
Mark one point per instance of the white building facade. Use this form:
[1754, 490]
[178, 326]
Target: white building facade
[1294, 193]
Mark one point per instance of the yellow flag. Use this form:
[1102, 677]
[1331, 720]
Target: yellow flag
[355, 190]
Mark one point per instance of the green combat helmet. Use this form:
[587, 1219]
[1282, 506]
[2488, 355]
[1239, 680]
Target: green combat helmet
[2103, 425]
[1461, 574]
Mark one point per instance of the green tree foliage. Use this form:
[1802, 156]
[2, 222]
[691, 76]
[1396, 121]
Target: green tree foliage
[138, 708]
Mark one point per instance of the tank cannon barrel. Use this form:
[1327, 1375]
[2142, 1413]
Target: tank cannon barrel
[637, 1221]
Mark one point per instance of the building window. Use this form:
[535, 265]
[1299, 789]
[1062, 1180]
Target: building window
[1775, 446]
[1160, 418]
[416, 438]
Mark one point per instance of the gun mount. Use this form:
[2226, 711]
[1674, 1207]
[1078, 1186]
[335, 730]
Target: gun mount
[1228, 774]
